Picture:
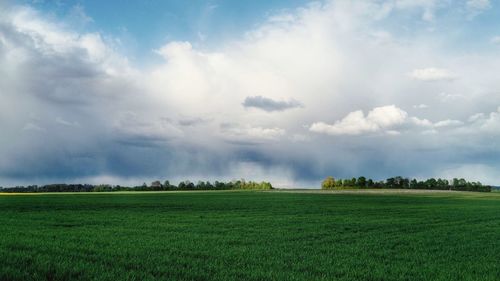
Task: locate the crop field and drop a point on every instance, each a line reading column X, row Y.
column 248, row 235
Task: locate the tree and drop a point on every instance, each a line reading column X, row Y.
column 413, row 183
column 338, row 184
column 182, row 185
column 156, row 185
column 361, row 182
column 462, row 183
column 442, row 184
column 353, row 182
column 189, row 185
column 209, row 186
column 390, row 183
column 328, row 183
column 370, row 183
column 167, row 185
column 431, row 183
column 399, row 182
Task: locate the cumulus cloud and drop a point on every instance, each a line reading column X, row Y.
column 392, row 120
column 270, row 105
column 356, row 123
column 432, row 74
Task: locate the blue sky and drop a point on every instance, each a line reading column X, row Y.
column 285, row 91
column 145, row 25
column 149, row 24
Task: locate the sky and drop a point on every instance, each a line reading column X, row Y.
column 125, row 92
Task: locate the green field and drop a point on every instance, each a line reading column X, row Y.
column 250, row 236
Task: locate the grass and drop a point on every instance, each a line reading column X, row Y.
column 250, row 236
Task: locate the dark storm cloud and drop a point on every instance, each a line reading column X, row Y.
column 270, row 105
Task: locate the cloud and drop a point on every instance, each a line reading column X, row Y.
column 355, row 123
column 478, row 5
column 489, row 123
column 445, row 97
column 432, row 74
column 270, row 105
column 193, row 121
column 132, row 128
column 78, row 17
column 64, row 122
column 249, row 134
column 428, row 7
column 390, row 120
column 421, row 122
column 421, row 106
column 448, row 123
column 102, row 117
column 33, row 127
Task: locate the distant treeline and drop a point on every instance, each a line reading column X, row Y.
column 405, row 183
column 154, row 186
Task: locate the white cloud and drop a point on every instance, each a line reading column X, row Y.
column 355, row 123
column 446, row 97
column 421, row 122
column 264, row 133
column 448, row 123
column 51, row 39
column 432, row 74
column 249, row 134
column 421, row 106
column 489, row 123
column 476, row 117
column 385, row 119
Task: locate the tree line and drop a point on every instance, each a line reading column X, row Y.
column 405, row 183
column 154, row 186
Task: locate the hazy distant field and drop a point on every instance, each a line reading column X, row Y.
column 385, row 235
